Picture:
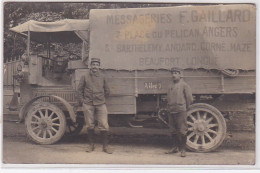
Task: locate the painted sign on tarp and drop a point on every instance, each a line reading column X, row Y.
column 209, row 37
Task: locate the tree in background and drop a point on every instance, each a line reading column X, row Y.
column 16, row 13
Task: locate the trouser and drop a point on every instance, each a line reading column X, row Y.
column 98, row 113
column 178, row 128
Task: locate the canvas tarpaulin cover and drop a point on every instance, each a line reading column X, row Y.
column 209, row 37
column 67, row 31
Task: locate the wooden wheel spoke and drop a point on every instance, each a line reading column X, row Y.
column 190, row 129
column 204, row 116
column 190, row 135
column 35, row 122
column 42, row 116
column 49, row 132
column 209, row 120
column 212, row 131
column 198, row 115
column 203, row 140
column 54, row 129
column 193, row 119
column 39, row 132
column 55, row 124
column 51, row 115
column 209, row 137
column 54, row 119
column 37, row 127
column 44, row 134
column 196, row 139
column 46, row 113
column 212, row 125
column 190, row 123
column 36, row 117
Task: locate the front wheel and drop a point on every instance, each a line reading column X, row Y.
column 206, row 128
column 45, row 123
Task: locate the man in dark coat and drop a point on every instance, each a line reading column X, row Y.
column 92, row 90
column 179, row 98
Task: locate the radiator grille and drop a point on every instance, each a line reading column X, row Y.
column 68, row 95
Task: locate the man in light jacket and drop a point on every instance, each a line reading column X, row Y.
column 92, row 90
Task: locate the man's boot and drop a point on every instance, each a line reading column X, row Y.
column 174, row 148
column 183, row 145
column 91, row 145
column 106, row 148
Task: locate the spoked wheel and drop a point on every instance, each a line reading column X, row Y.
column 206, row 128
column 45, row 123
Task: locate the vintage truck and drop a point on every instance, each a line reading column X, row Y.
column 214, row 44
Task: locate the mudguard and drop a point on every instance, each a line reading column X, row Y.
column 25, row 108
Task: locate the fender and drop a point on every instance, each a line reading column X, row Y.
column 24, row 109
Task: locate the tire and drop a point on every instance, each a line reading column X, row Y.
column 45, row 123
column 206, row 128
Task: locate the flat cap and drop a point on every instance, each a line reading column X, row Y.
column 95, row 60
column 176, row 69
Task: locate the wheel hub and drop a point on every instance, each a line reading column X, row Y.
column 45, row 124
column 200, row 127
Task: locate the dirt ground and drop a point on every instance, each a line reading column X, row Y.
column 129, row 149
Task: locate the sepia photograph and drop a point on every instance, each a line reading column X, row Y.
column 129, row 83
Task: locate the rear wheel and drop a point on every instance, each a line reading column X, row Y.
column 45, row 123
column 206, row 128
